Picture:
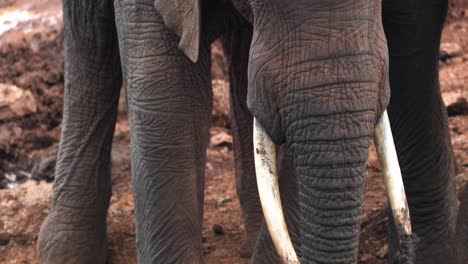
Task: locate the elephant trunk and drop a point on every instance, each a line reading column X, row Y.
column 330, row 163
column 265, row 161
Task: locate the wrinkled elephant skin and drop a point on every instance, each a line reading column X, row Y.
column 316, row 74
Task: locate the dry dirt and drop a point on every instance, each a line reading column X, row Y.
column 31, row 58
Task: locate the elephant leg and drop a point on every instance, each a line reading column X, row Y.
column 169, row 105
column 462, row 228
column 420, row 124
column 236, row 46
column 75, row 229
column 265, row 251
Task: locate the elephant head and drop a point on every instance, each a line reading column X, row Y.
column 318, row 82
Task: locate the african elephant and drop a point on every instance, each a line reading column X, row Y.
column 315, row 74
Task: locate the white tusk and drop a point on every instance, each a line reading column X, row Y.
column 267, row 181
column 391, row 169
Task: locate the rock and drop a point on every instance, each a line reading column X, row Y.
column 449, row 50
column 382, row 253
column 221, row 111
column 8, row 132
column 218, row 230
column 220, row 138
column 223, row 200
column 459, row 107
column 15, row 102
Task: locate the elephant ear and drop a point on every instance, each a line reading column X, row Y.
column 184, row 18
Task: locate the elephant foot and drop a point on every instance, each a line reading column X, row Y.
column 75, row 242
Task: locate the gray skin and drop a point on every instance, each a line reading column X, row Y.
column 315, row 74
column 462, row 228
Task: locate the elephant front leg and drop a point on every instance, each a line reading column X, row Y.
column 420, row 124
column 169, row 105
column 75, row 229
column 236, row 46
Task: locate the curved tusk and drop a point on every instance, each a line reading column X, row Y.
column 389, row 161
column 267, row 181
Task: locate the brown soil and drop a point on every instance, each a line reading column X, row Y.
column 31, row 58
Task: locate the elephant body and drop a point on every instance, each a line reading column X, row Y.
column 316, row 74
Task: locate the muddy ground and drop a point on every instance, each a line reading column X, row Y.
column 31, row 58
